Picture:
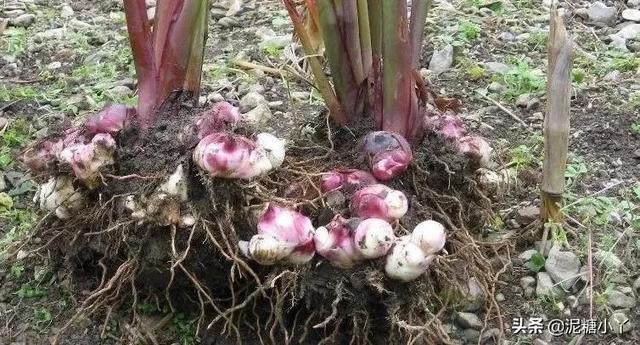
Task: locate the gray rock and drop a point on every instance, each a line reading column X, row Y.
column 529, row 214
column 496, row 67
column 527, row 255
column 469, row 320
column 629, row 32
column 441, row 60
column 618, row 42
column 54, row 65
column 218, row 13
column 23, row 20
column 258, row 115
column 506, row 36
column 523, row 100
column 215, row 97
column 620, row 323
column 496, row 87
column 79, row 24
column 475, row 297
column 609, row 259
column 252, row 100
column 490, row 334
column 527, row 281
column 119, row 92
column 618, row 299
column 545, row 286
column 500, row 297
column 471, row 335
column 600, row 13
column 631, row 14
column 614, row 75
column 57, row 34
column 563, row 267
column 300, row 95
column 228, row 22
column 66, row 11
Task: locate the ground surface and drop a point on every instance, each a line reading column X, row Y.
column 65, row 64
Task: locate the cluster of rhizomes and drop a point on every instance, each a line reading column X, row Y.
column 89, row 149
column 287, row 236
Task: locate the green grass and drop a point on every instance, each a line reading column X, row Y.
column 468, row 31
column 183, row 330
column 623, row 63
column 14, row 41
column 521, row 79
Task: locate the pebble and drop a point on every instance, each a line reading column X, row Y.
column 620, row 323
column 527, row 281
column 563, row 267
column 527, row 255
column 54, row 65
column 500, row 297
column 57, row 33
column 527, row 215
column 618, row 299
column 3, row 183
column 218, row 13
column 506, row 36
column 258, row 115
column 471, row 335
column 228, row 22
column 215, row 97
column 23, row 20
column 629, row 32
column 631, row 14
column 67, row 11
column 496, row 67
column 251, row 100
column 119, row 92
column 469, row 320
column 475, row 296
column 601, row 13
column 441, row 60
column 545, row 286
column 496, row 87
column 523, row 100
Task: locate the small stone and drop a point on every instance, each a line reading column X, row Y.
column 54, row 65
column 215, row 97
column 631, row 14
column 629, row 32
column 469, row 320
column 3, row 183
column 527, row 215
column 528, row 292
column 228, row 22
column 527, row 281
column 614, row 75
column 21, row 254
column 66, row 12
column 58, row 33
column 496, row 87
column 496, row 67
column 545, row 286
column 23, row 20
column 490, row 334
column 563, row 267
column 471, row 335
column 119, row 92
column 258, row 115
column 506, row 36
column 617, row 299
column 609, row 259
column 620, row 323
column 523, row 100
column 441, row 60
column 527, row 255
column 218, row 13
column 600, row 13
column 252, row 100
column 300, row 95
column 475, row 296
column 500, row 297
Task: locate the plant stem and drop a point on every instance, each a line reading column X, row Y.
column 365, row 36
column 556, row 124
column 419, row 11
column 322, row 82
column 143, row 58
column 375, row 79
column 200, row 28
column 400, row 101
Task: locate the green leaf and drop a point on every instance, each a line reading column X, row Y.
column 536, row 263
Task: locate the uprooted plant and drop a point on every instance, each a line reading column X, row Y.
column 176, row 201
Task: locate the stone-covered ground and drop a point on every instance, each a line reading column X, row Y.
column 63, row 61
